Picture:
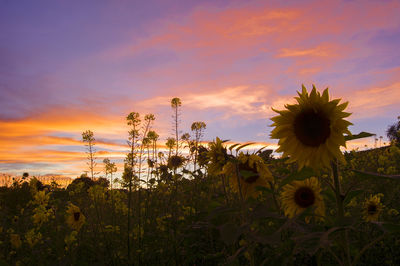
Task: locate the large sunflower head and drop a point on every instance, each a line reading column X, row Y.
column 75, row 218
column 252, row 172
column 372, row 208
column 300, row 195
column 310, row 132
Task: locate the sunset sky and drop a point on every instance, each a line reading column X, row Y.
column 70, row 66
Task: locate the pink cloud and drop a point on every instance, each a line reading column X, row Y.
column 318, row 51
column 372, row 102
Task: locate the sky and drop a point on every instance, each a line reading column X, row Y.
column 71, row 66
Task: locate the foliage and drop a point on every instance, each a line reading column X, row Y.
column 209, row 207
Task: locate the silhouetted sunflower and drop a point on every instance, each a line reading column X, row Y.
column 175, row 161
column 299, row 195
column 311, row 131
column 253, row 173
column 202, row 155
column 217, row 157
column 75, row 219
column 372, row 208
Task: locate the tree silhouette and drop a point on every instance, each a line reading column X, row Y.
column 393, row 132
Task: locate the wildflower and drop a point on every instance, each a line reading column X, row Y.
column 75, row 218
column 372, row 208
column 253, row 173
column 311, row 131
column 299, row 195
column 41, row 198
column 15, row 241
column 41, row 215
column 70, row 240
column 392, row 212
column 32, row 238
column 97, row 193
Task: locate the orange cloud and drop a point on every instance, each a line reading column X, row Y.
column 317, row 51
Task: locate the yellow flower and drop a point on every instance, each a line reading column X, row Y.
column 392, row 212
column 75, row 218
column 253, row 173
column 15, row 241
column 311, row 131
column 41, row 215
column 33, row 238
column 372, row 208
column 299, row 195
column 41, row 198
column 70, row 240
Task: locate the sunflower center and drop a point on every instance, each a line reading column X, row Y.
column 372, row 209
column 76, row 216
column 312, row 127
column 251, row 173
column 304, row 197
column 175, row 161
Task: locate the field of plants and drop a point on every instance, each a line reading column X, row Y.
column 218, row 204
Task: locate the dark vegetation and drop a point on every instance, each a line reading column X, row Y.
column 175, row 209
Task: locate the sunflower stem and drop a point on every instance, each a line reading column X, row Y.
column 238, row 181
column 224, row 186
column 340, row 215
column 339, row 200
column 242, row 210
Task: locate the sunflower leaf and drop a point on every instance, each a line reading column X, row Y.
column 233, row 146
column 375, row 175
column 244, row 145
column 309, row 211
column 259, row 150
column 392, row 228
column 358, row 136
column 304, row 173
column 349, row 196
column 261, row 188
column 328, row 193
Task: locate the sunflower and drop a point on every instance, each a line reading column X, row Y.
column 75, row 218
column 372, row 208
column 175, row 161
column 311, row 131
column 217, row 157
column 299, row 195
column 253, row 173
